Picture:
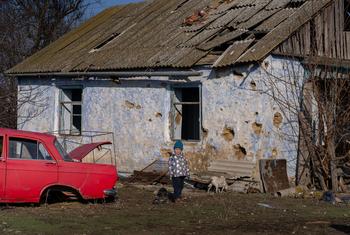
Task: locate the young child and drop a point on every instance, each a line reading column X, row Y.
column 178, row 170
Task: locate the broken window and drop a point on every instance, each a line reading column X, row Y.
column 346, row 15
column 186, row 109
column 70, row 111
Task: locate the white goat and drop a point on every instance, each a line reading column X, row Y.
column 218, row 182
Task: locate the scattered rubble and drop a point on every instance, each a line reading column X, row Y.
column 298, row 191
column 273, row 175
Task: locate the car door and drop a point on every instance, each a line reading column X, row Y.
column 30, row 168
column 2, row 167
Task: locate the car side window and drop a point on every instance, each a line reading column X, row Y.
column 21, row 148
column 1, row 145
column 43, row 154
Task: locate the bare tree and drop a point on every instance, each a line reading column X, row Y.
column 314, row 100
column 26, row 27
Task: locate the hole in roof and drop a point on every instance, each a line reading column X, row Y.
column 295, row 4
column 105, row 42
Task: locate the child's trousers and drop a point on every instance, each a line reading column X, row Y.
column 178, row 185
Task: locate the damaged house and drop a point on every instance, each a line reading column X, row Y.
column 217, row 74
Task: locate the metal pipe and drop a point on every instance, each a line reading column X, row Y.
column 110, row 74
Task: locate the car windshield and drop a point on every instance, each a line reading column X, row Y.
column 62, row 152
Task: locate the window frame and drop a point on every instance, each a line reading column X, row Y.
column 3, row 150
column 38, row 142
column 61, row 104
column 173, row 110
column 346, row 8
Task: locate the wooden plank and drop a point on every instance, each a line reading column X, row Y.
column 274, row 175
column 283, row 31
column 331, row 33
column 327, row 42
column 337, row 28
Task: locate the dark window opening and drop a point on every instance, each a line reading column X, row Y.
column 186, row 113
column 70, row 111
column 346, row 15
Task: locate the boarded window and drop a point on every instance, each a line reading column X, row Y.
column 346, row 15
column 186, row 110
column 70, row 111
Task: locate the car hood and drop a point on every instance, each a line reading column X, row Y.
column 82, row 151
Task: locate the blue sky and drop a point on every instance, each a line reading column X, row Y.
column 96, row 8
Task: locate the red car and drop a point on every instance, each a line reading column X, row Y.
column 34, row 167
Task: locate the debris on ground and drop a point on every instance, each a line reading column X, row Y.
column 242, row 185
column 265, row 205
column 329, row 197
column 297, row 192
column 154, row 173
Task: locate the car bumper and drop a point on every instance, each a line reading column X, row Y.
column 110, row 192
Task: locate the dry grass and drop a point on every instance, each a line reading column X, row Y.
column 134, row 213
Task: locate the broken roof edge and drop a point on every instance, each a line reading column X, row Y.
column 164, row 73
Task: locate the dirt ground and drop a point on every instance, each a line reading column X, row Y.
column 134, row 213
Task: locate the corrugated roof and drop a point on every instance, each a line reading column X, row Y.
column 281, row 32
column 174, row 33
column 233, row 52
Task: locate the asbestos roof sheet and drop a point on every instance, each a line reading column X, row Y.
column 275, row 4
column 282, row 31
column 256, row 19
column 224, row 7
column 201, row 37
column 233, row 53
column 174, row 33
column 217, row 41
column 229, row 16
column 275, row 20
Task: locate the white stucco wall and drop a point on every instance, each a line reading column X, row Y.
column 137, row 112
